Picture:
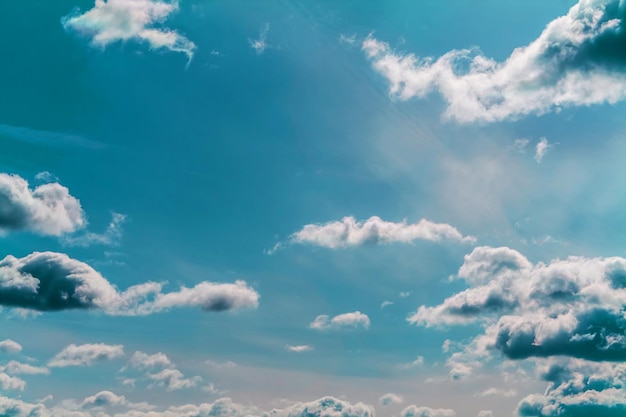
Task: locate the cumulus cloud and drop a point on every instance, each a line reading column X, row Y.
column 572, row 307
column 11, row 383
column 50, row 281
column 48, row 209
column 342, row 321
column 350, row 232
column 86, row 355
column 125, row 20
column 299, row 348
column 578, row 388
column 173, row 380
column 10, row 346
column 327, row 407
column 577, row 60
column 390, row 398
column 142, row 361
column 415, row 411
column 18, row 368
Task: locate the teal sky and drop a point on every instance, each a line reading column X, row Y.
column 350, row 208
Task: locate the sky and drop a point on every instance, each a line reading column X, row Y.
column 312, row 208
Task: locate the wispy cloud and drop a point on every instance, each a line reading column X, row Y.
column 48, row 138
column 260, row 44
column 124, row 20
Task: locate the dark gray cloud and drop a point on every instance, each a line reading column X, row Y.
column 50, row 281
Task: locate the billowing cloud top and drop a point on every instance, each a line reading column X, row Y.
column 49, row 209
column 349, row 232
column 577, row 60
column 49, row 281
column 572, row 307
column 123, row 20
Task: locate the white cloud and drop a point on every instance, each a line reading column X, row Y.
column 142, row 361
column 499, row 392
column 111, row 236
column 48, row 209
column 417, row 363
column 572, row 307
column 49, row 281
column 541, row 149
column 260, row 44
column 575, row 61
column 173, row 380
column 349, row 232
column 342, row 321
column 390, row 398
column 386, row 303
column 11, row 383
column 46, row 176
column 415, row 411
column 299, row 348
column 86, row 355
column 124, row 20
column 18, row 368
column 103, row 399
column 10, row 346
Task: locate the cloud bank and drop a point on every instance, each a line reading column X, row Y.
column 113, row 21
column 578, row 60
column 50, row 281
column 350, row 232
column 48, row 209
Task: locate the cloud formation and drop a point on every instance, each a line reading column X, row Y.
column 50, row 281
column 572, row 307
column 350, row 232
column 390, row 398
column 111, row 236
column 578, row 60
column 11, row 383
column 86, row 355
column 18, row 368
column 415, row 411
column 10, row 346
column 299, row 348
column 113, row 21
column 342, row 321
column 578, row 388
column 48, row 209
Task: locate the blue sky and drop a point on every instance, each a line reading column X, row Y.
column 288, row 207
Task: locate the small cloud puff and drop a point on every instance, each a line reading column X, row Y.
column 10, row 346
column 577, row 60
column 123, row 20
column 50, row 281
column 299, row 348
column 390, row 398
column 342, row 321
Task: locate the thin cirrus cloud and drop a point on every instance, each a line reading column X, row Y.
column 571, row 307
column 125, row 20
column 349, row 232
column 48, row 209
column 342, row 321
column 50, row 281
column 86, row 355
column 577, row 60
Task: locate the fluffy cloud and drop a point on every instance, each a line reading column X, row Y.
column 48, row 209
column 18, row 368
column 11, row 383
column 143, row 361
column 123, row 20
column 173, row 380
column 342, row 321
column 415, row 411
column 327, row 407
column 349, row 232
column 48, row 281
column 86, row 355
column 578, row 388
column 541, row 149
column 571, row 307
column 10, row 346
column 390, row 398
column 578, row 60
